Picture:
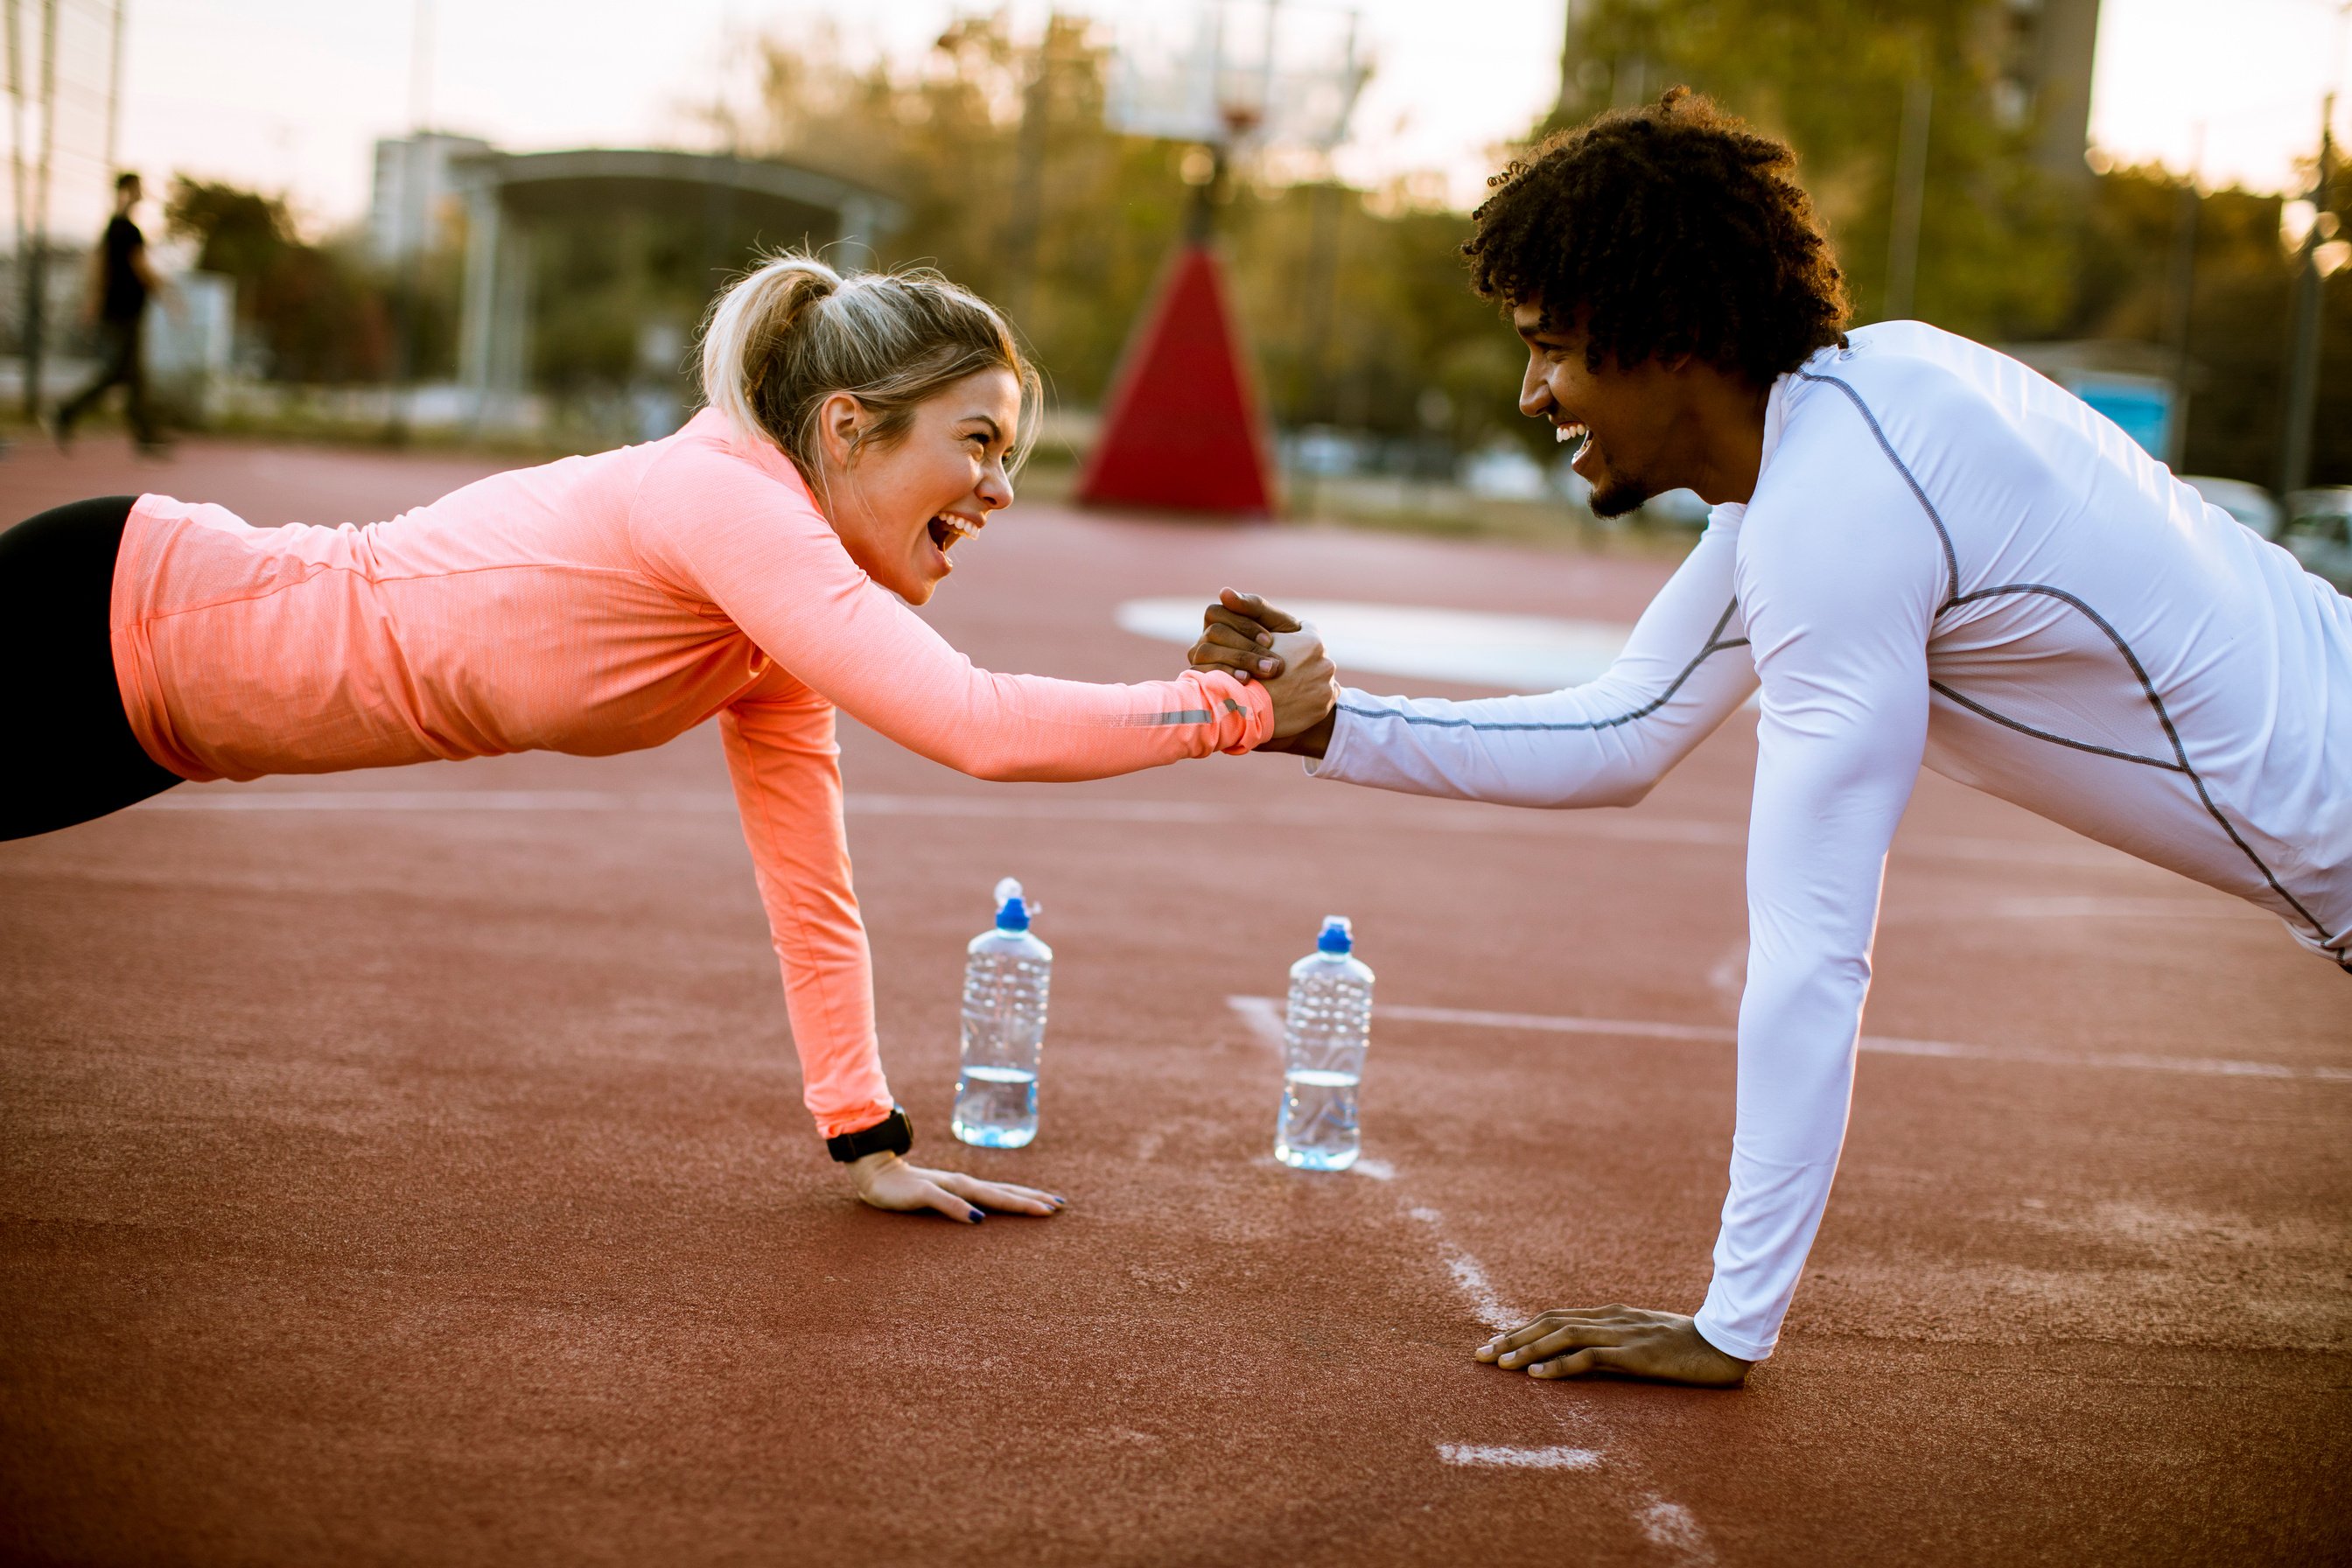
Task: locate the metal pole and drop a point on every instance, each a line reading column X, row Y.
column 37, row 285
column 23, row 252
column 1571, row 47
column 114, row 90
column 2303, row 353
column 2183, row 301
column 420, row 69
column 416, row 221
column 1322, row 283
column 1910, row 199
column 1029, row 179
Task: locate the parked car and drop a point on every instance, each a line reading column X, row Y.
column 2319, row 532
column 2250, row 504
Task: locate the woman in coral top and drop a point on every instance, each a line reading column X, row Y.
column 750, row 567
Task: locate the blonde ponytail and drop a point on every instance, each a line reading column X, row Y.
column 793, row 332
column 748, row 320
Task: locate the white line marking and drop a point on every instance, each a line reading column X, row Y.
column 1499, row 1457
column 1723, row 1034
column 1063, row 807
column 1883, row 1045
column 1517, row 653
column 1471, row 1275
column 432, row 800
column 1264, row 1016
column 1667, row 1525
column 1671, row 1526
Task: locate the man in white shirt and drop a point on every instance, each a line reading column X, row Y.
column 1922, row 552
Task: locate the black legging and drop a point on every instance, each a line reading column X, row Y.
column 73, row 754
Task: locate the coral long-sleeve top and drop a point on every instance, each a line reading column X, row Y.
column 601, row 604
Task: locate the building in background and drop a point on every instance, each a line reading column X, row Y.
column 2046, row 80
column 415, row 200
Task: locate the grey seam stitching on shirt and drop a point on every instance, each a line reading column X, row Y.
column 1943, row 535
column 1956, row 598
column 1979, row 708
column 2163, row 718
column 1714, row 645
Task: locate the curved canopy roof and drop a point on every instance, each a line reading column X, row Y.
column 593, row 179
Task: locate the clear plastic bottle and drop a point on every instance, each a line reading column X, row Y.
column 1006, row 972
column 1327, row 1026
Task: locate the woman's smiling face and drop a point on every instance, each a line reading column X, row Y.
column 900, row 507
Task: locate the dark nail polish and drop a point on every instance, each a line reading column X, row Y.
column 977, row 1216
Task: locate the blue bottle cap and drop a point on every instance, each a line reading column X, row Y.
column 1337, row 937
column 1012, row 910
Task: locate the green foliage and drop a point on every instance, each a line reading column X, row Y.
column 315, row 312
column 1353, row 303
column 2240, row 314
column 2007, row 252
column 1829, row 77
column 239, row 232
column 617, row 294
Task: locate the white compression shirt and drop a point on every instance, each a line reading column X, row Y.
column 1947, row 559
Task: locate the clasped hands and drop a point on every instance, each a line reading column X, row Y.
column 1249, row 638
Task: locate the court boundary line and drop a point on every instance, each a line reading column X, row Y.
column 1501, row 822
column 1665, row 1524
column 1883, row 1045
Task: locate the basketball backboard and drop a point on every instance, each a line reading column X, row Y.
column 1261, row 74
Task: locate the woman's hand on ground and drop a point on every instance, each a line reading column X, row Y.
column 1569, row 1342
column 886, row 1182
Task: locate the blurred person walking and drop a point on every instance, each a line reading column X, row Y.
column 122, row 281
column 1920, row 552
column 759, row 567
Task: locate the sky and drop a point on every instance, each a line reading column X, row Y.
column 289, row 95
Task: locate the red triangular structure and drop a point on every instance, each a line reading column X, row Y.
column 1180, row 431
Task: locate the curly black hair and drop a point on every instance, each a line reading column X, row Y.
column 1671, row 229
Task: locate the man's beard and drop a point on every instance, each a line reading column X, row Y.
column 1618, row 497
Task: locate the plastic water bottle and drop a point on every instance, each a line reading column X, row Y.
column 1006, row 971
column 1324, row 1035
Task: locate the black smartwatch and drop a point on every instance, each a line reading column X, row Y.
column 894, row 1133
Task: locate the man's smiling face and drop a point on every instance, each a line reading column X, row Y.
column 1621, row 420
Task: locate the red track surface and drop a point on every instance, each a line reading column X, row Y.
column 431, row 1186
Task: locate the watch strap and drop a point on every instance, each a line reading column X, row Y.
column 894, row 1133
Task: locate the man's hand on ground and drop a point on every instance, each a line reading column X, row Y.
column 1569, row 1342
column 886, row 1182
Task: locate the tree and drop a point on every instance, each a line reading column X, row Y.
column 316, row 313
column 1080, row 244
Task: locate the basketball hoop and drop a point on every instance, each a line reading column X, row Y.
column 1180, row 427
column 1241, row 75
